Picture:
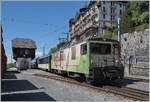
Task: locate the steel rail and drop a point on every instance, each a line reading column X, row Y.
column 134, row 94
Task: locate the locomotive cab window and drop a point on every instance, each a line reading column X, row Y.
column 99, row 48
column 83, row 49
column 115, row 49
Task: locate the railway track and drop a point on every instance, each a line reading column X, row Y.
column 134, row 94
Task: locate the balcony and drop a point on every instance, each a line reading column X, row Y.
column 113, row 13
column 113, row 6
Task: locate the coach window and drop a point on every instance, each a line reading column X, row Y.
column 83, row 49
column 73, row 50
column 45, row 60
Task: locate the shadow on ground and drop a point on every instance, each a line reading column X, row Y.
column 37, row 96
column 16, row 85
column 120, row 82
column 14, row 89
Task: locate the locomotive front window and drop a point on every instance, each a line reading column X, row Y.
column 116, row 49
column 99, row 48
column 83, row 49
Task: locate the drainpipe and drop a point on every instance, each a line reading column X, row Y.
column 119, row 29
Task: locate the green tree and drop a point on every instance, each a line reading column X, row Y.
column 135, row 14
column 111, row 32
column 52, row 50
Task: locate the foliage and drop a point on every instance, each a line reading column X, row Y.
column 135, row 14
column 111, row 32
column 60, row 45
column 54, row 49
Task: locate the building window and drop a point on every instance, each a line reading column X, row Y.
column 103, row 2
column 120, row 12
column 103, row 9
column 120, row 5
column 112, row 10
column 125, row 39
column 103, row 23
column 104, row 16
column 112, row 3
column 112, row 17
column 141, row 41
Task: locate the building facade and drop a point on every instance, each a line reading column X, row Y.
column 94, row 19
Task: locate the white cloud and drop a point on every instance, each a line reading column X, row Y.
column 38, row 54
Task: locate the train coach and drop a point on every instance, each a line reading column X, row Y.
column 43, row 62
column 95, row 60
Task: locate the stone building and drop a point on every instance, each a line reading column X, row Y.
column 95, row 17
column 135, row 53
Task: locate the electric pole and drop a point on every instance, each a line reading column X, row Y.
column 43, row 50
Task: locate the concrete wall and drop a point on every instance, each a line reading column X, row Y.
column 135, row 53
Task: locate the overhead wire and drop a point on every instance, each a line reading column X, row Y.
column 33, row 22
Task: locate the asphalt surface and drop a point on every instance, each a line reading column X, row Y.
column 25, row 86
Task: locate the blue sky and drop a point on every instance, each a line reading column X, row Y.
column 42, row 21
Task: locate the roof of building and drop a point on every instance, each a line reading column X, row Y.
column 23, row 43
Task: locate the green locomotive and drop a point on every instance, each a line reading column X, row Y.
column 95, row 60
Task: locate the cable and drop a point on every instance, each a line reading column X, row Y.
column 32, row 22
column 24, row 21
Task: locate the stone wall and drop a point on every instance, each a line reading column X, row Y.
column 135, row 53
